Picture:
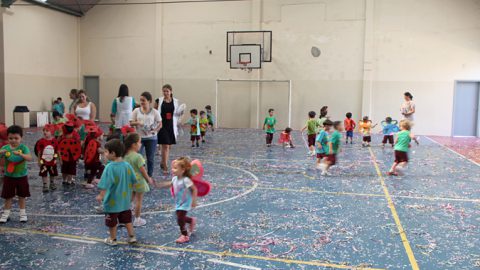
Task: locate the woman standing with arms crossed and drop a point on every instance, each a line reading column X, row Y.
column 147, row 122
column 168, row 106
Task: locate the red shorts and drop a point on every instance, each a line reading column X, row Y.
column 367, row 138
column 69, row 167
column 311, row 139
column 401, row 156
column 13, row 186
column 45, row 170
column 332, row 159
column 388, row 138
column 194, row 138
column 112, row 219
column 321, row 155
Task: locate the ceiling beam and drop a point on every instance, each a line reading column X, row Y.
column 55, row 7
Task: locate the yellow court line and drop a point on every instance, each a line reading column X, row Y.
column 391, row 205
column 198, row 251
column 341, row 193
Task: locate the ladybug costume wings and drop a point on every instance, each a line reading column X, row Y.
column 91, row 152
column 70, row 149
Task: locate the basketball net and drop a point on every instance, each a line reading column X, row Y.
column 245, row 66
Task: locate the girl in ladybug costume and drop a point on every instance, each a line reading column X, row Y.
column 70, row 150
column 93, row 149
column 46, row 149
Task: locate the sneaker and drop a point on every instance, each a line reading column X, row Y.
column 45, row 188
column 96, row 181
column 138, row 222
column 193, row 145
column 99, row 209
column 110, row 242
column 23, row 217
column 5, row 217
column 390, row 173
column 193, row 224
column 89, row 186
column 198, row 145
column 132, row 239
column 203, row 141
column 324, row 173
column 53, row 186
column 182, row 239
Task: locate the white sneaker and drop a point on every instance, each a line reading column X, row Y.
column 89, row 186
column 132, row 239
column 99, row 209
column 23, row 217
column 110, row 242
column 5, row 217
column 139, row 222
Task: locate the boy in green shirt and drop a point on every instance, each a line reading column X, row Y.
column 402, row 144
column 312, row 126
column 15, row 181
column 269, row 126
column 333, row 146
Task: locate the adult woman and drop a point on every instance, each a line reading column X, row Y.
column 74, row 97
column 408, row 107
column 84, row 109
column 168, row 106
column 148, row 122
column 122, row 108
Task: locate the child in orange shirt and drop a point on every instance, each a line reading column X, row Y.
column 365, row 127
column 349, row 125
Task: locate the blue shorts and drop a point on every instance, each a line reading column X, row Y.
column 350, row 134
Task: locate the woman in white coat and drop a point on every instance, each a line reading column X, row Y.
column 169, row 108
column 122, row 108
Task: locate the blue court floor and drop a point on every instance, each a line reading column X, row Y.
column 270, row 209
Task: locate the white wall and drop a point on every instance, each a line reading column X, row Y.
column 40, row 59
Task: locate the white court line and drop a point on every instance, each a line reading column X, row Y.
column 154, row 251
column 254, row 186
column 453, row 151
column 74, row 240
column 233, row 264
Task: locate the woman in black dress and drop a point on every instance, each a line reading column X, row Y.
column 168, row 108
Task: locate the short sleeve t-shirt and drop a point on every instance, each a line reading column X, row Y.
column 203, row 124
column 137, row 161
column 182, row 193
column 322, row 138
column 19, row 164
column 194, row 126
column 270, row 123
column 349, row 124
column 335, row 139
column 312, row 126
column 365, row 127
column 408, row 106
column 403, row 141
column 149, row 122
column 117, row 179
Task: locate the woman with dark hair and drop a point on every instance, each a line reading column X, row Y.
column 122, row 108
column 408, row 107
column 169, row 109
column 323, row 116
column 147, row 122
column 74, row 97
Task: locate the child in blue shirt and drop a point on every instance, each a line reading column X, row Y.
column 59, row 106
column 116, row 187
column 389, row 129
column 321, row 143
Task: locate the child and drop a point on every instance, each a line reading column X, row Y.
column 210, row 117
column 404, row 137
column 286, row 139
column 46, row 150
column 93, row 150
column 58, row 106
column 3, row 141
column 322, row 145
column 204, row 122
column 350, row 125
column 15, row 181
column 194, row 127
column 116, row 185
column 269, row 126
column 58, row 121
column 185, row 195
column 389, row 129
column 133, row 143
column 312, row 127
column 333, row 146
column 70, row 150
column 365, row 127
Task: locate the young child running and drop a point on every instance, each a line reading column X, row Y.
column 203, row 125
column 116, row 185
column 402, row 144
column 350, row 125
column 210, row 117
column 286, row 138
column 185, row 195
column 133, row 144
column 322, row 145
column 46, row 149
column 365, row 127
column 194, row 123
column 333, row 147
column 389, row 129
column 312, row 127
column 15, row 181
column 269, row 126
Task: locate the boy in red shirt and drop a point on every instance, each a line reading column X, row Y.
column 350, row 125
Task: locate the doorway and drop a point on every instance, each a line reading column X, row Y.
column 91, row 84
column 466, row 115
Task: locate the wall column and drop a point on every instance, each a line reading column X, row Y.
column 368, row 60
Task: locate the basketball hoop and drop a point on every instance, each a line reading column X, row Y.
column 245, row 66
